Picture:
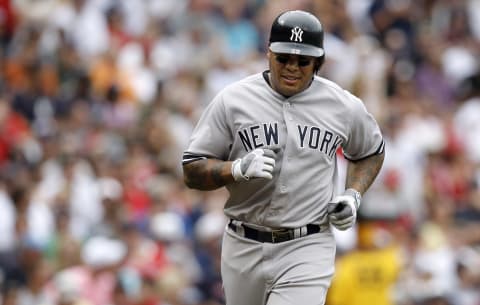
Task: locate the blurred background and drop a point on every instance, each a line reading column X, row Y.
column 98, row 99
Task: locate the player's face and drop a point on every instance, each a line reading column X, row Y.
column 290, row 74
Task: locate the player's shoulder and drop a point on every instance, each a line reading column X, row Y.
column 335, row 90
column 245, row 83
column 327, row 83
column 235, row 90
column 229, row 95
column 331, row 86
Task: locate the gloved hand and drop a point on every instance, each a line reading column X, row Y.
column 258, row 163
column 342, row 210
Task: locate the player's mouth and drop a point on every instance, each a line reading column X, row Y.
column 290, row 80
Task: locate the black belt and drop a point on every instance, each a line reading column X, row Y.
column 277, row 235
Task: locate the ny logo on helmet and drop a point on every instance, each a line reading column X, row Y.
column 296, row 34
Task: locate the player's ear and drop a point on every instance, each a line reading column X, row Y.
column 318, row 64
column 269, row 54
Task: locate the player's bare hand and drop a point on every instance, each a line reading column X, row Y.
column 258, row 163
column 342, row 210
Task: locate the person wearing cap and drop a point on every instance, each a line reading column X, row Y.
column 272, row 139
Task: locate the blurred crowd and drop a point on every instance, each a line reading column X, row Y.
column 98, row 99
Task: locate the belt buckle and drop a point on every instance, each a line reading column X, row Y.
column 281, row 235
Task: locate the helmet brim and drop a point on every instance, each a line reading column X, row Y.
column 296, row 48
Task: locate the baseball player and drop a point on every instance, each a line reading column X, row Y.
column 271, row 139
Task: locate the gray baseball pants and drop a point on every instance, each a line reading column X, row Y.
column 298, row 271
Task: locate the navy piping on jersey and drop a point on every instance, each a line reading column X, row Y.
column 265, row 77
column 189, row 158
column 379, row 151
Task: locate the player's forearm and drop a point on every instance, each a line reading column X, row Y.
column 208, row 174
column 361, row 174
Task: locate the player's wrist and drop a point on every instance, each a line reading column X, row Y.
column 356, row 195
column 237, row 171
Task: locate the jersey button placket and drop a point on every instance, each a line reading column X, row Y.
column 288, row 113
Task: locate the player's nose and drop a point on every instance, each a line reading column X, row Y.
column 292, row 64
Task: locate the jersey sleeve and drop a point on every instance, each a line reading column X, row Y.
column 211, row 137
column 364, row 138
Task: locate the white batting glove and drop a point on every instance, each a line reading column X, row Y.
column 342, row 210
column 258, row 163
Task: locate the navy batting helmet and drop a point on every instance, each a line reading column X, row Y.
column 297, row 32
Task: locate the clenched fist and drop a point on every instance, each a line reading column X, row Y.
column 258, row 163
column 342, row 210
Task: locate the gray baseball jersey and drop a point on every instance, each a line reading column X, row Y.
column 304, row 130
